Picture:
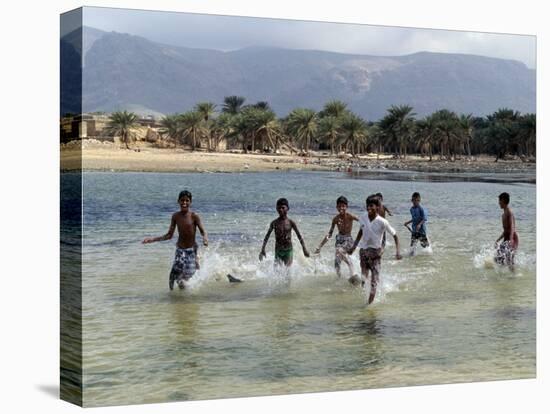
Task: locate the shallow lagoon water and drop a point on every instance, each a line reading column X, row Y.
column 449, row 316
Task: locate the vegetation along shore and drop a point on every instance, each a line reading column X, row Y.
column 240, row 137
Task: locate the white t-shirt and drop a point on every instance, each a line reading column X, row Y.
column 373, row 231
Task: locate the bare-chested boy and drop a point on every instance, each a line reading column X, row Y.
column 344, row 240
column 283, row 227
column 506, row 249
column 187, row 222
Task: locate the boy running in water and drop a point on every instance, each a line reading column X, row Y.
column 283, row 227
column 418, row 220
column 506, row 249
column 187, row 222
column 344, row 241
column 369, row 239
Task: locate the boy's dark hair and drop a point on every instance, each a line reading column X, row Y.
column 282, row 202
column 504, row 197
column 416, row 195
column 185, row 193
column 342, row 200
column 373, row 199
column 380, row 196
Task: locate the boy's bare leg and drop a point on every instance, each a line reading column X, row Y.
column 511, row 262
column 412, row 250
column 288, row 261
column 337, row 262
column 373, row 286
column 181, row 283
column 364, row 273
column 197, row 264
column 347, row 260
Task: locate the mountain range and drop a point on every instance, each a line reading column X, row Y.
column 123, row 71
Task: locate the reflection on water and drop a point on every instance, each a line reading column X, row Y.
column 439, row 318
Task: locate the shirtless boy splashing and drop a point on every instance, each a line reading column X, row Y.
column 185, row 261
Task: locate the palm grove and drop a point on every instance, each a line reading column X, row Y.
column 443, row 134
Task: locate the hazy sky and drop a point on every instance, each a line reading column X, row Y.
column 229, row 33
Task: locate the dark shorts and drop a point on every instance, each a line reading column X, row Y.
column 184, row 265
column 343, row 244
column 284, row 255
column 417, row 236
column 505, row 254
column 370, row 261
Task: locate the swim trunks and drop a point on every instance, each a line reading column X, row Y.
column 283, row 255
column 343, row 242
column 184, row 266
column 416, row 236
column 505, row 254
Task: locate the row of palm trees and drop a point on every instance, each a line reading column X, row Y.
column 336, row 128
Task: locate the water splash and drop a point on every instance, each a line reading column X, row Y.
column 485, row 259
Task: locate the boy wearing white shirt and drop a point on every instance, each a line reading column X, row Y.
column 369, row 238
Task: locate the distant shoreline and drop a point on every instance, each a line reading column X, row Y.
column 103, row 157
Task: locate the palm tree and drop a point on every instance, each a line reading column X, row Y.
column 503, row 130
column 334, row 108
column 171, row 127
column 221, row 128
column 240, row 129
column 268, row 128
column 329, row 131
column 426, row 133
column 398, row 124
column 262, row 105
column 466, row 123
column 192, row 125
column 207, row 110
column 252, row 118
column 302, row 125
column 377, row 138
column 123, row 124
column 528, row 133
column 232, row 104
column 354, row 133
column 448, row 132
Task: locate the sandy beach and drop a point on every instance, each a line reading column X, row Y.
column 98, row 156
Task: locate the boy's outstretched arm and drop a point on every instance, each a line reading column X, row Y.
column 266, row 238
column 388, row 211
column 295, row 228
column 167, row 236
column 201, row 230
column 356, row 242
column 328, row 236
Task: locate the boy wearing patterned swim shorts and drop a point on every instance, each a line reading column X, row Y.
column 369, row 238
column 344, row 240
column 185, row 260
